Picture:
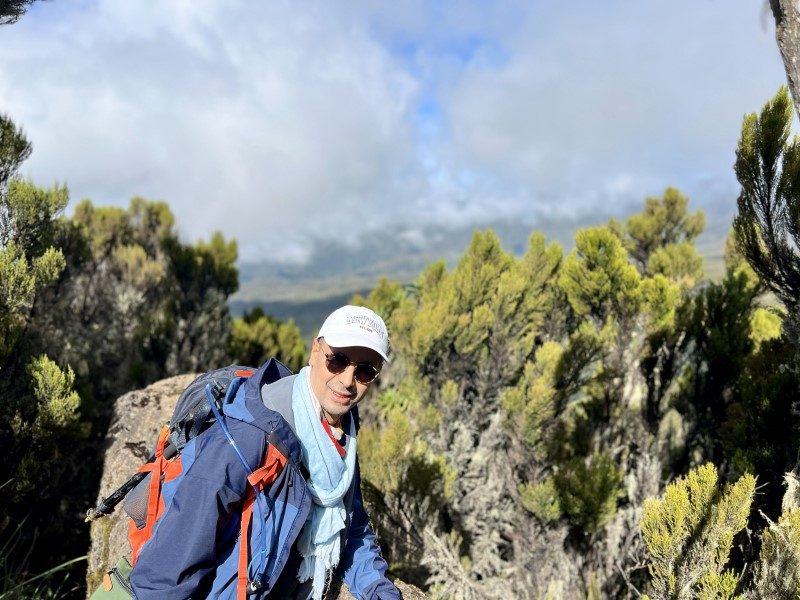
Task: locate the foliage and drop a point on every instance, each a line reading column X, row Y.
column 759, row 432
column 398, row 461
column 589, row 490
column 777, row 572
column 678, row 262
column 767, row 230
column 659, row 239
column 689, row 534
column 736, row 263
column 136, row 301
column 459, row 338
column 405, row 484
column 597, row 278
column 478, row 323
column 203, row 276
column 52, row 388
column 767, row 226
column 451, row 578
column 719, row 323
column 256, row 337
column 599, row 384
column 531, row 404
column 12, row 10
column 530, row 368
column 14, row 150
column 765, row 325
column 541, row 499
column 17, row 583
column 20, row 279
column 41, row 415
column 29, row 213
column 42, row 425
column 383, row 299
column 28, row 260
column 91, row 306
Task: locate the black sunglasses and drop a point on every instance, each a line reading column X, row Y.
column 337, row 362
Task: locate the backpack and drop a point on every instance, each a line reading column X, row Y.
column 198, row 408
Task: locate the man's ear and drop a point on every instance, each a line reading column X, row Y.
column 314, row 348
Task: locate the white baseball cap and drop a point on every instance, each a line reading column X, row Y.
column 356, row 326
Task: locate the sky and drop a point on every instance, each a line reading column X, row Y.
column 295, row 126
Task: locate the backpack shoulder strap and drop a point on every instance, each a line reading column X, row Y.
column 277, row 396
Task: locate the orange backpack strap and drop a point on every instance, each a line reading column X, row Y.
column 155, row 504
column 268, row 472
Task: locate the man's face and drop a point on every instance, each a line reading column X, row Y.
column 337, row 393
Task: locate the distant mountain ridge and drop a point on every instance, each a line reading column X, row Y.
column 307, row 314
column 308, row 292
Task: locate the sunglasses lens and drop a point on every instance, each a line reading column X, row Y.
column 365, row 373
column 337, row 362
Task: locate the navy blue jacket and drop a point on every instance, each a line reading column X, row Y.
column 194, row 549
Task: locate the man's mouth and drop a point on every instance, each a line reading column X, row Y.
column 343, row 398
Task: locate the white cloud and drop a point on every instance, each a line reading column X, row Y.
column 654, row 91
column 284, row 124
column 269, row 122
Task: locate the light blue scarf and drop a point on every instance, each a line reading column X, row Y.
column 329, row 480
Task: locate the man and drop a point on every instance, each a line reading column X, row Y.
column 286, row 527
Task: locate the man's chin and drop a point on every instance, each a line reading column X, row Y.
column 337, row 409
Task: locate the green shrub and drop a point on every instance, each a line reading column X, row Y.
column 541, row 499
column 689, row 535
column 588, row 490
column 777, row 572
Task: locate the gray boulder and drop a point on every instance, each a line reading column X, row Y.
column 138, row 417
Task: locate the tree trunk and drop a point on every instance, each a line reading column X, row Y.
column 787, row 34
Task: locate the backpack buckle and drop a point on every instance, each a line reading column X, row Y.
column 254, row 586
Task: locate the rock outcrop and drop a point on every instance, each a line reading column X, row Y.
column 138, row 417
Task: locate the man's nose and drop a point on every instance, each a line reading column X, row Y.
column 348, row 377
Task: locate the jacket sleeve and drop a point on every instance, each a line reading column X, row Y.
column 179, row 559
column 362, row 567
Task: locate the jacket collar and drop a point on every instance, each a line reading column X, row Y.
column 248, row 406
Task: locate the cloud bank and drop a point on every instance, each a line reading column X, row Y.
column 297, row 126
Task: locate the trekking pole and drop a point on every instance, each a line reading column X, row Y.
column 107, row 505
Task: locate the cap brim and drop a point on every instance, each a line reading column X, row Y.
column 350, row 340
